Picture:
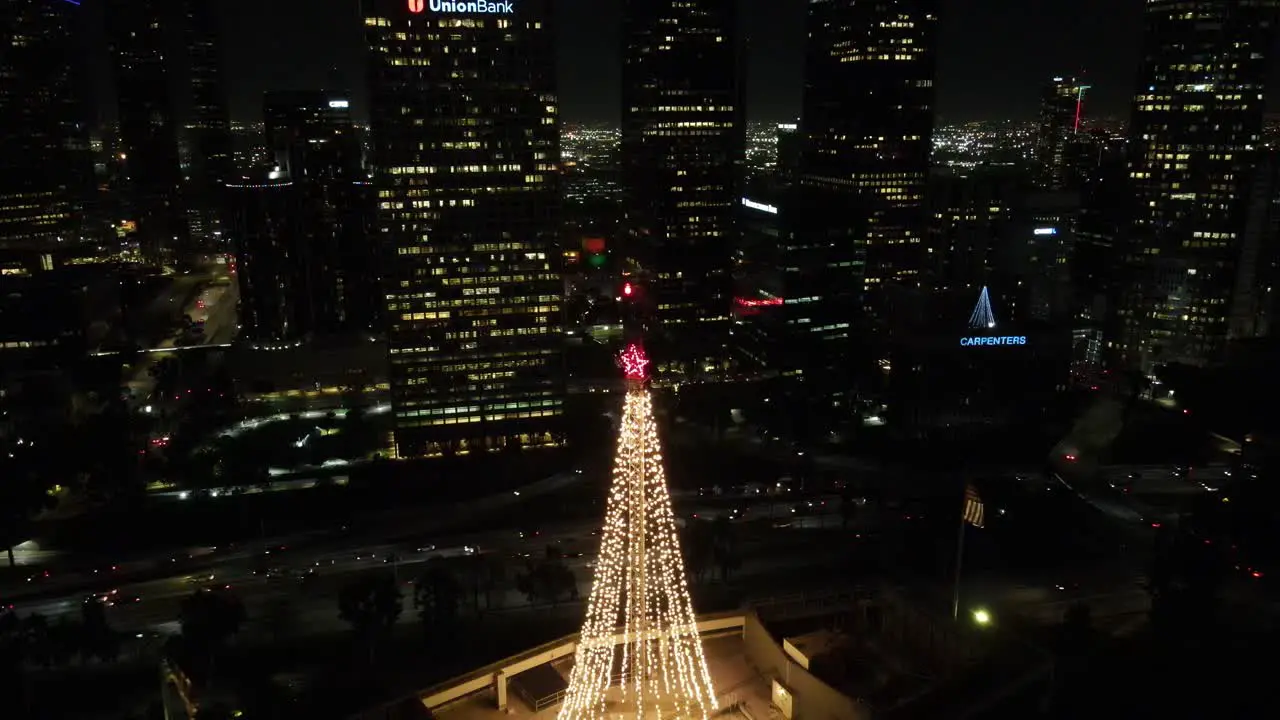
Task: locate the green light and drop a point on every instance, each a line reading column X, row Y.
column 597, row 260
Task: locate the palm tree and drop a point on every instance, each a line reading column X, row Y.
column 96, row 636
column 27, row 470
column 724, row 547
column 436, row 596
column 209, row 618
column 699, row 549
column 371, row 605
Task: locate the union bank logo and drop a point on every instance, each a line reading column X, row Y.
column 504, row 7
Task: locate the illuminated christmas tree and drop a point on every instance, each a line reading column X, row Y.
column 640, row 634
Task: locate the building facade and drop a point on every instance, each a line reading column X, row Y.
column 208, row 127
column 262, row 217
column 314, row 142
column 45, row 167
column 1058, row 144
column 868, row 122
column 465, row 146
column 140, row 35
column 857, row 221
column 683, row 144
column 1194, row 151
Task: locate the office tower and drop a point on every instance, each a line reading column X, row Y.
column 465, row 146
column 683, row 144
column 790, row 151
column 310, row 132
column 1061, row 112
column 208, row 125
column 262, row 217
column 141, row 35
column 972, row 215
column 314, row 142
column 1194, row 149
column 857, row 221
column 868, row 122
column 44, row 164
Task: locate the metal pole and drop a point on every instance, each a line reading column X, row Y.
column 955, row 594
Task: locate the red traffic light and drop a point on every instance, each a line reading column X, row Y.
column 627, row 290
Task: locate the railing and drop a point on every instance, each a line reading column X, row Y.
column 462, row 686
column 501, row 672
column 539, row 704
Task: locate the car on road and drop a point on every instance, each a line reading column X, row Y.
column 112, row 598
column 1124, row 484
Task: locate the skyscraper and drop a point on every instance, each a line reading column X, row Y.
column 683, row 138
column 1061, row 113
column 314, row 142
column 857, row 220
column 868, row 122
column 1194, row 144
column 465, row 146
column 310, row 133
column 208, row 126
column 262, row 222
column 141, row 35
column 44, row 164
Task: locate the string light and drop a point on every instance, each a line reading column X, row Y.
column 634, row 363
column 639, row 598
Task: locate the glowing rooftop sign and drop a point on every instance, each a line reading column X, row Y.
column 982, row 317
column 749, row 203
column 1045, row 231
column 339, row 103
column 501, row 7
column 985, row 341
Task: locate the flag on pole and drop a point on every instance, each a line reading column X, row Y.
column 972, row 506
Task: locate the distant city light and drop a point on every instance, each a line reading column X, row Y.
column 787, row 126
column 1045, row 231
column 339, row 103
column 747, row 202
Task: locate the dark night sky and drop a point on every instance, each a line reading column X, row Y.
column 994, row 55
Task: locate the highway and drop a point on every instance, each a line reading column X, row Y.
column 264, row 580
column 51, row 580
column 243, row 569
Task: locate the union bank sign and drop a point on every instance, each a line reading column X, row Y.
column 504, row 7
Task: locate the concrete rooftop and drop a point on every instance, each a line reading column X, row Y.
column 734, row 681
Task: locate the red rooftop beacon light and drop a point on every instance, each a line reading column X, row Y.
column 417, row 6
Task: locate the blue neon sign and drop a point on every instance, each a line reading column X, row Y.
column 1000, row 340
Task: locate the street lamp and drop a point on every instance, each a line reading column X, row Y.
column 981, row 617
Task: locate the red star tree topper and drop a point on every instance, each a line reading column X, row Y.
column 634, row 364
